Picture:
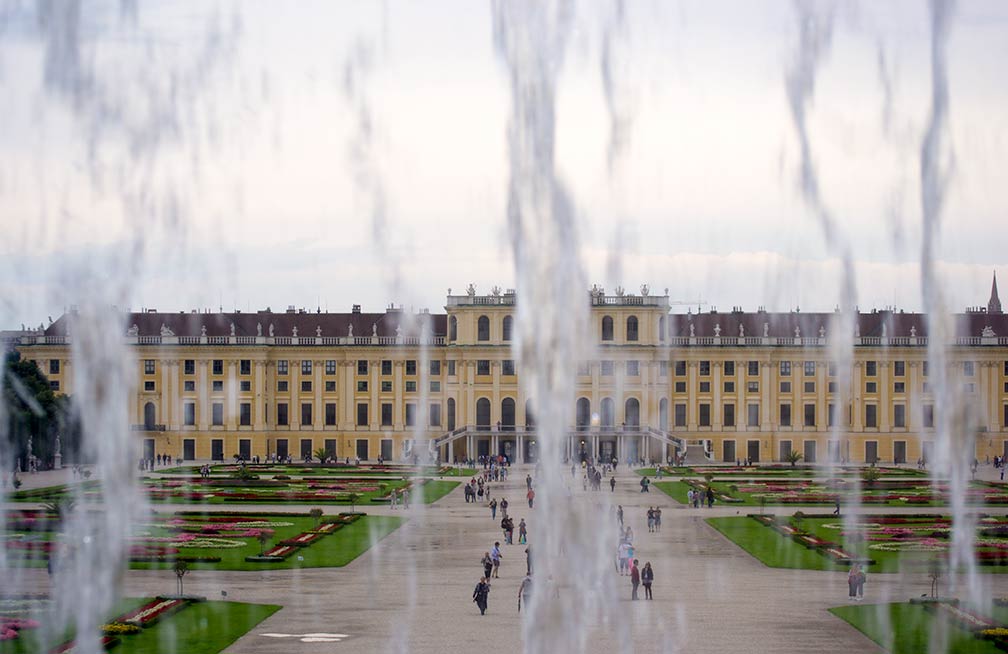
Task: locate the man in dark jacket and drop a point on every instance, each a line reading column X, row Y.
column 634, row 578
column 481, row 593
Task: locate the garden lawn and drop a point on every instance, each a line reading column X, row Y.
column 200, row 628
column 906, row 629
column 333, row 550
column 434, row 490
column 674, row 489
column 770, row 547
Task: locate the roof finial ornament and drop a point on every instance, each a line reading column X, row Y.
column 766, row 330
column 258, row 329
column 318, row 331
column 741, row 330
column 471, row 290
column 271, row 330
column 620, row 291
column 644, row 288
column 692, row 331
column 232, row 329
column 349, row 331
column 994, row 304
column 295, row 331
column 202, row 331
column 822, row 332
column 132, row 331
column 165, row 331
column 797, row 331
column 374, row 329
column 988, row 332
column 717, row 330
column 857, row 330
column 913, row 331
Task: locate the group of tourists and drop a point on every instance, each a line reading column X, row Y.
column 697, row 497
column 654, row 519
column 399, row 497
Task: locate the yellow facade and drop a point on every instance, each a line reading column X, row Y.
column 678, row 380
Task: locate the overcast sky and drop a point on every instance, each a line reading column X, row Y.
column 210, row 153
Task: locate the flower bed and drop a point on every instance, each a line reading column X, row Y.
column 107, row 642
column 827, row 548
column 10, row 628
column 964, row 617
column 152, row 611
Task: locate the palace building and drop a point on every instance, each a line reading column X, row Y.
column 723, row 386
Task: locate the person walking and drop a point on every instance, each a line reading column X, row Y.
column 481, row 594
column 650, row 519
column 522, row 532
column 860, row 583
column 493, row 509
column 487, row 564
column 524, row 591
column 612, row 484
column 504, row 506
column 531, row 497
column 619, row 514
column 647, row 578
column 852, row 581
column 495, row 558
column 657, row 518
column 634, row 578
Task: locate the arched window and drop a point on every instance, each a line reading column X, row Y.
column 483, row 329
column 608, row 417
column 529, row 416
column 583, row 414
column 452, row 328
column 506, row 328
column 632, row 414
column 663, row 414
column 451, row 414
column 507, row 414
column 631, row 328
column 607, row 330
column 482, row 412
column 150, row 415
column 661, row 328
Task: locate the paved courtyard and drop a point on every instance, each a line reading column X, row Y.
column 412, row 591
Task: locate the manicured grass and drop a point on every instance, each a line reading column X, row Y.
column 200, row 628
column 459, row 472
column 674, row 489
column 434, row 490
column 906, row 629
column 801, row 472
column 769, row 547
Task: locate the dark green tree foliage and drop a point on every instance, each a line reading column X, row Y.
column 33, row 410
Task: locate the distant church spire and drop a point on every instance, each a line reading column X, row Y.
column 994, row 304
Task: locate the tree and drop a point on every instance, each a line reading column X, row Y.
column 181, row 568
column 320, row 454
column 34, row 410
column 793, row 457
column 870, row 475
column 353, row 497
column 316, row 514
column 263, row 538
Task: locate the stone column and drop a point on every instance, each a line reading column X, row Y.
column 717, row 408
column 520, row 454
column 885, row 399
column 260, row 397
column 374, row 384
column 203, row 406
column 349, row 390
column 399, row 388
column 692, row 390
column 764, row 396
column 318, row 385
column 231, row 387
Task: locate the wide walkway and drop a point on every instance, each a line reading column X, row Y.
column 412, row 591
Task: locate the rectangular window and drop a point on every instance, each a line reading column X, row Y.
column 189, row 367
column 435, row 368
column 785, row 387
column 434, row 417
column 680, row 415
column 705, row 387
column 282, row 367
column 306, row 386
column 633, row 368
column 928, row 416
column 330, row 367
column 362, row 386
column 410, row 414
column 306, row 367
column 729, row 415
column 361, row 366
column 507, row 367
column 752, row 387
column 245, row 386
column 386, row 367
column 899, row 387
column 330, row 387
column 925, row 368
column 149, row 386
column 729, row 368
column 753, row 415
column 899, row 368
column 810, row 368
column 969, row 368
column 282, row 413
column 411, row 386
column 830, row 415
column 282, row 386
column 871, row 368
column 680, row 387
column 704, row 368
column 899, row 415
column 189, row 386
column 1006, row 415
column 217, row 409
column 411, row 367
column 451, row 368
column 148, row 366
column 54, row 367
column 810, row 387
column 810, row 415
column 306, row 414
column 483, row 366
column 871, row 387
column 680, row 368
column 435, row 386
column 245, row 414
column 189, row 414
column 386, row 387
column 871, row 416
column 386, row 414
column 831, row 369
column 1006, row 368
column 753, row 368
column 54, row 385
column 704, row 414
column 217, row 386
column 785, row 368
column 606, row 369
column 245, row 366
column 362, row 417
column 785, row 415
column 218, row 366
column 729, row 387
column 663, row 368
column 330, row 414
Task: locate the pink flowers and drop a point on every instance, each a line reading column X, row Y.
column 10, row 628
